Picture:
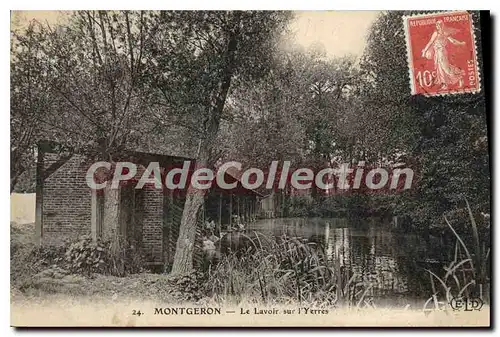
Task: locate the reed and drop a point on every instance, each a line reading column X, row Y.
column 466, row 275
column 288, row 270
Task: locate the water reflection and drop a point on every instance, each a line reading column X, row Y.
column 394, row 264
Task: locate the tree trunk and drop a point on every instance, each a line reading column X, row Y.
column 113, row 231
column 183, row 259
column 111, row 219
column 39, row 197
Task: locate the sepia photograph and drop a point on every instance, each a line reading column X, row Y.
column 250, row 168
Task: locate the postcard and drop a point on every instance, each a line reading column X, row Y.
column 250, row 168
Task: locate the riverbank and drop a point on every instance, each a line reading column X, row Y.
column 264, row 276
column 312, row 262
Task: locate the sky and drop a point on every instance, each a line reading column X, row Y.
column 21, row 18
column 341, row 32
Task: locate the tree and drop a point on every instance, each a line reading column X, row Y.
column 198, row 56
column 30, row 99
column 79, row 84
column 98, row 61
column 444, row 137
column 297, row 113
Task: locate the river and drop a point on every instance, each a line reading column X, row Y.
column 393, row 263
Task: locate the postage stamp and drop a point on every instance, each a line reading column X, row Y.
column 442, row 57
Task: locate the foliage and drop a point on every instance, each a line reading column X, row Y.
column 298, row 112
column 300, row 206
column 188, row 287
column 444, row 139
column 197, row 57
column 352, row 205
column 26, row 259
column 217, row 85
column 290, row 270
column 467, row 275
column 103, row 256
column 85, row 256
column 30, row 101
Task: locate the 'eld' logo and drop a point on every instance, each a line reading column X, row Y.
column 466, row 304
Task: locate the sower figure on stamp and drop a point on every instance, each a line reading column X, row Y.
column 446, row 73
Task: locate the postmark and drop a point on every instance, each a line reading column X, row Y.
column 442, row 56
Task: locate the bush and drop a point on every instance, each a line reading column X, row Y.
column 87, row 257
column 191, row 287
column 114, row 257
column 83, row 257
column 300, row 205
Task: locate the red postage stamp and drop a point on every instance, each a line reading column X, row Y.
column 442, row 55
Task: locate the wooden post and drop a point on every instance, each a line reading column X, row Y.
column 204, row 212
column 131, row 220
column 243, row 207
column 39, row 196
column 238, row 201
column 167, row 225
column 230, row 210
column 250, row 200
column 253, row 208
column 97, row 208
column 247, row 210
column 220, row 213
column 125, row 209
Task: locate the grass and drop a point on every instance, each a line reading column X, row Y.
column 467, row 274
column 24, row 258
column 288, row 270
